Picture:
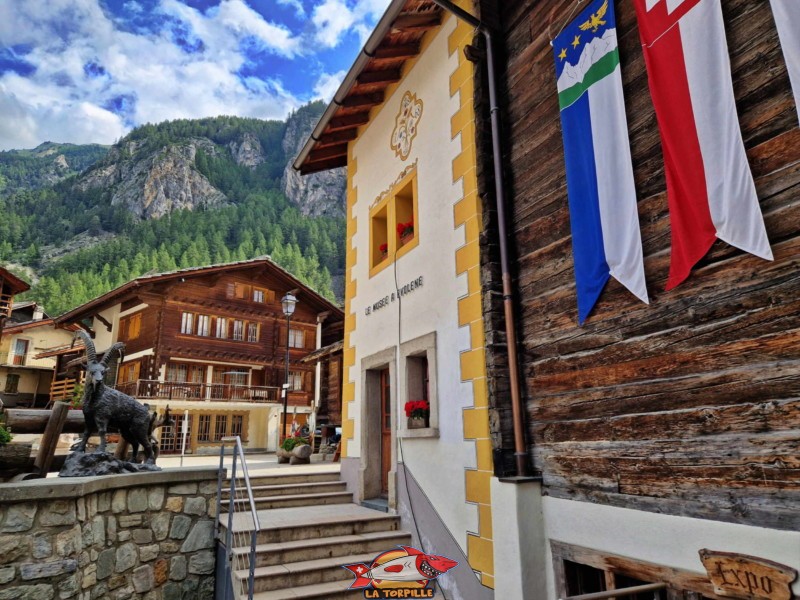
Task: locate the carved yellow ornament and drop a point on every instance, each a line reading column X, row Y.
column 406, row 122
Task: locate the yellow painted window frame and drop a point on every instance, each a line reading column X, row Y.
column 390, row 203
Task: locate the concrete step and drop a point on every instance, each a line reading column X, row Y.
column 279, row 479
column 308, row 572
column 282, row 553
column 325, row 521
column 293, row 489
column 334, row 590
column 268, row 502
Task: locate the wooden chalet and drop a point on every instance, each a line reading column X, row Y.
column 211, row 342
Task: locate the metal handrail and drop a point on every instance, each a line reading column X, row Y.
column 238, row 457
column 621, row 592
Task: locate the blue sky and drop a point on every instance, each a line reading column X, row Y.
column 89, row 70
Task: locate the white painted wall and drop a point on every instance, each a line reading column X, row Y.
column 438, row 464
column 662, row 539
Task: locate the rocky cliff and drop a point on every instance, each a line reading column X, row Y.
column 153, row 184
column 317, row 194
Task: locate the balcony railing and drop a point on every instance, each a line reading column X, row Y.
column 143, row 389
column 17, row 360
column 6, row 302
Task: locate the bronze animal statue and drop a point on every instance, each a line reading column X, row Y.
column 104, row 407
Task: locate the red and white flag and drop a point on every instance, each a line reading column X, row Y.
column 787, row 18
column 710, row 188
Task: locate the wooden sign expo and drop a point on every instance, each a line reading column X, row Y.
column 748, row 577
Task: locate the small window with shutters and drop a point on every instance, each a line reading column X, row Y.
column 130, row 327
column 238, row 330
column 222, row 328
column 187, row 323
column 203, row 325
column 252, row 332
column 296, row 338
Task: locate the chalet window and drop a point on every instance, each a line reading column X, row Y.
column 187, row 323
column 130, row 327
column 241, row 291
column 185, row 373
column 222, row 328
column 237, row 425
column 297, row 338
column 220, row 427
column 238, row 330
column 202, row 325
column 296, row 381
column 20, row 352
column 12, row 384
column 129, row 372
column 258, row 295
column 204, row 428
column 393, row 225
column 252, row 332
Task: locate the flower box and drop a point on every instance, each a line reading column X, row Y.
column 418, row 413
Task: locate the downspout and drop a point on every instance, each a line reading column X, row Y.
column 520, row 453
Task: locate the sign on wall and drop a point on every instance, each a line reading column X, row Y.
column 747, row 577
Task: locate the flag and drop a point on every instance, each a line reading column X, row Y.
column 787, row 18
column 710, row 188
column 606, row 241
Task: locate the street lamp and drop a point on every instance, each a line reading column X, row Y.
column 288, row 303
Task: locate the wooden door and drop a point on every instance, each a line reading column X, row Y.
column 386, row 431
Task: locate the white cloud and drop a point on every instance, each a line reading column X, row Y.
column 296, row 4
column 327, row 85
column 335, row 18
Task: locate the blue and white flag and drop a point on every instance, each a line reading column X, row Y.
column 606, row 241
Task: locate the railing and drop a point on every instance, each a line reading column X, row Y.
column 6, row 302
column 242, row 520
column 202, row 392
column 62, row 389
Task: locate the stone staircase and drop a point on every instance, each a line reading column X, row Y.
column 309, row 529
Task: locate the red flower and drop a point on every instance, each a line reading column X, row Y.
column 384, row 248
column 418, row 409
column 405, row 228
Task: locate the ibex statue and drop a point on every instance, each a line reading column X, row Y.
column 105, row 407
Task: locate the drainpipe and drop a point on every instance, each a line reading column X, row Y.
column 520, row 453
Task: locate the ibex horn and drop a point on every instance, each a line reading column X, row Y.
column 91, row 354
column 116, row 349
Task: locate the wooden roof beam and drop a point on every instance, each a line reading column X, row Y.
column 363, row 100
column 408, row 22
column 337, row 137
column 402, row 52
column 329, row 152
column 347, row 122
column 323, row 165
column 372, row 77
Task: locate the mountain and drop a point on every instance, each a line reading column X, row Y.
column 45, row 165
column 176, row 194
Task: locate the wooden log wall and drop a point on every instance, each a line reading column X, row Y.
column 689, row 405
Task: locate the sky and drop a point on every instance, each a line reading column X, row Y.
column 85, row 71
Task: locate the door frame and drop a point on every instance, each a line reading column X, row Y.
column 370, row 473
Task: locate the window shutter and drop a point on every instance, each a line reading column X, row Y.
column 309, row 386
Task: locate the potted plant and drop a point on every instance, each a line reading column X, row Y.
column 288, row 452
column 384, row 248
column 418, row 413
column 405, row 231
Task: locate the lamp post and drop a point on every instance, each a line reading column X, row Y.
column 288, row 303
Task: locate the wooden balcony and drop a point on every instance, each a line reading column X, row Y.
column 62, row 390
column 149, row 389
column 6, row 302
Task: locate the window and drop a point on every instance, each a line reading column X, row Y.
column 222, row 328
column 297, row 338
column 185, row 373
column 130, row 327
column 187, row 323
column 241, row 291
column 202, row 325
column 238, row 330
column 296, row 381
column 252, row 332
column 20, row 352
column 129, row 372
column 237, row 425
column 258, row 295
column 393, row 224
column 12, row 384
column 418, row 366
column 220, row 427
column 204, row 428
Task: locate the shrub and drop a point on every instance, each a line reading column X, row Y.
column 289, row 444
column 5, row 435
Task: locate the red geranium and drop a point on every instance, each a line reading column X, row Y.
column 384, row 248
column 417, row 409
column 405, row 228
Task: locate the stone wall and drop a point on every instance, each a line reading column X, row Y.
column 145, row 535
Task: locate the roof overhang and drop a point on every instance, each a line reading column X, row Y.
column 396, row 39
column 17, row 285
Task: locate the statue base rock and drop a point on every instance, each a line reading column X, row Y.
column 79, row 464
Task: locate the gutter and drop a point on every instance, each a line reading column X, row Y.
column 520, row 453
column 367, row 52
